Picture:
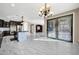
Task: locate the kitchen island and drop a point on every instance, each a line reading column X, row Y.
column 22, row 36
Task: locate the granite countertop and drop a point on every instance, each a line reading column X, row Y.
column 23, row 31
column 4, row 29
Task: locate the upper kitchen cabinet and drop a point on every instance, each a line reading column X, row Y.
column 1, row 23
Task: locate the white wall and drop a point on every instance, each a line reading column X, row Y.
column 76, row 26
column 12, row 28
column 25, row 26
column 36, row 21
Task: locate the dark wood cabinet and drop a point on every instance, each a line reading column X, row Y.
column 4, row 23
column 1, row 38
column 1, row 23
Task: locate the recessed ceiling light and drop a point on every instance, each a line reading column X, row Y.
column 12, row 5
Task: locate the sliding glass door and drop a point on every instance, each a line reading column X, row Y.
column 52, row 28
column 60, row 28
column 64, row 28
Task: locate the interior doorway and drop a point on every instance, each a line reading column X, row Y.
column 32, row 28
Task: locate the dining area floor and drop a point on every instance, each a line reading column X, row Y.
column 38, row 46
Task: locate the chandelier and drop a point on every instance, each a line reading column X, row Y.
column 44, row 10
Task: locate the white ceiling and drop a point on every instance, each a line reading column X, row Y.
column 30, row 10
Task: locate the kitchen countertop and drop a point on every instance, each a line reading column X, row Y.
column 4, row 29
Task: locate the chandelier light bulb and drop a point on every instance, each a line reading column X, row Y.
column 45, row 10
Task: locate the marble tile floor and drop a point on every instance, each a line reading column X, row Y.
column 38, row 47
